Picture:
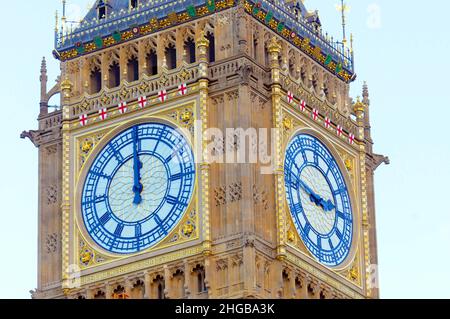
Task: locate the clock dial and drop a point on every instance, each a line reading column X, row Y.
column 318, row 199
column 138, row 188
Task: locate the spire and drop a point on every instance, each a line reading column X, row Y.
column 43, row 79
column 365, row 93
column 366, row 101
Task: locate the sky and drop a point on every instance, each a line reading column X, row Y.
column 401, row 50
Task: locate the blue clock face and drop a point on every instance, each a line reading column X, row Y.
column 138, row 188
column 318, row 200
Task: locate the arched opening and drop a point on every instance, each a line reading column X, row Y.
column 255, row 47
column 133, row 69
column 266, row 57
column 161, row 291
column 200, row 273
column 158, row 282
column 134, row 4
column 95, row 81
column 286, row 284
column 54, row 104
column 152, row 63
column 114, row 75
column 100, row 295
column 189, row 49
column 310, row 292
column 178, row 284
column 211, row 54
column 101, row 10
column 171, row 57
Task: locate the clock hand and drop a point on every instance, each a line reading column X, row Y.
column 317, row 199
column 137, row 165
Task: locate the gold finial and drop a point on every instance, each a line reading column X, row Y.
column 359, row 107
column 202, row 41
column 66, row 87
column 274, row 46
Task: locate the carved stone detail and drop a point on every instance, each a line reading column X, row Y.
column 52, row 194
column 51, row 243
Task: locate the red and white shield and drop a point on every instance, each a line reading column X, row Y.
column 123, row 108
column 83, row 119
column 162, row 95
column 315, row 114
column 182, row 89
column 103, row 114
column 142, row 101
column 290, row 97
column 351, row 138
column 302, row 105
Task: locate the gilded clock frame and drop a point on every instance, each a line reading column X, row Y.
column 78, row 171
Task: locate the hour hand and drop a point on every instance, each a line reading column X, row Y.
column 327, row 206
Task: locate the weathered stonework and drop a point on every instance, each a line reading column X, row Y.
column 237, row 237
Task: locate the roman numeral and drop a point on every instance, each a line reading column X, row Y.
column 138, row 230
column 339, row 234
column 172, row 200
column 297, row 208
column 116, row 153
column 118, row 231
column 100, row 174
column 105, row 218
column 159, row 222
column 95, row 200
column 307, row 229
column 339, row 191
column 178, row 176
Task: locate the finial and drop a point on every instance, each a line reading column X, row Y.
column 56, row 21
column 343, row 8
column 202, row 41
column 43, row 66
column 274, row 46
column 359, row 107
column 63, row 18
column 66, row 87
column 351, row 42
column 365, row 93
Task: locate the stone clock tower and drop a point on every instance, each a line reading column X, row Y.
column 204, row 149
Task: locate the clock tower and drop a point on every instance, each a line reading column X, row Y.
column 204, row 149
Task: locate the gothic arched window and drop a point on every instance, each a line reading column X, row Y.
column 95, row 81
column 152, row 63
column 114, row 75
column 189, row 47
column 133, row 69
column 171, row 57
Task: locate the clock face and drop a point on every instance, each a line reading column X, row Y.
column 138, row 188
column 318, row 200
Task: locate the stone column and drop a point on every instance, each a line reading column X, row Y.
column 187, row 280
column 105, row 70
column 274, row 52
column 143, row 67
column 128, row 287
column 109, row 291
column 147, row 286
column 167, row 282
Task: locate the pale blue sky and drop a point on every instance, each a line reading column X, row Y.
column 405, row 60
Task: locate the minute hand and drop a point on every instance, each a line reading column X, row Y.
column 137, row 165
column 317, row 199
